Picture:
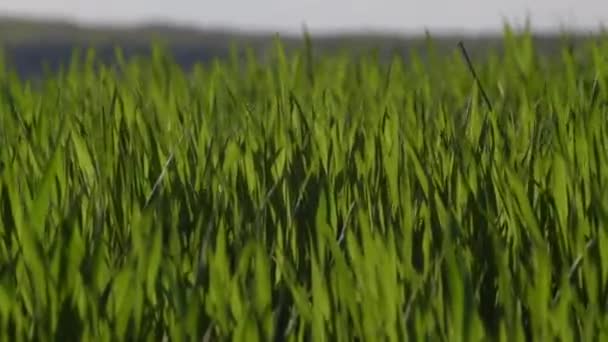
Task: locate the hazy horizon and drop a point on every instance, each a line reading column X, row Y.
column 319, row 17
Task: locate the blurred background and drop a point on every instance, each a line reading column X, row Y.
column 35, row 33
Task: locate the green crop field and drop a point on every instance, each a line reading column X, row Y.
column 308, row 198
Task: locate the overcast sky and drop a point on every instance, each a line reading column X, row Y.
column 325, row 15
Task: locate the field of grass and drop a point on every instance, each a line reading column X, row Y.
column 330, row 199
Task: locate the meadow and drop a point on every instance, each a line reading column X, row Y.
column 308, row 199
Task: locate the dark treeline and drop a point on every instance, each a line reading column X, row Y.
column 30, row 47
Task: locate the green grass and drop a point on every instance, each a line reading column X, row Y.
column 331, row 199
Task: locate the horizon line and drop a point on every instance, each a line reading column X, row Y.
column 259, row 30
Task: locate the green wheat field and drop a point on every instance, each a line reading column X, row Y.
column 308, row 199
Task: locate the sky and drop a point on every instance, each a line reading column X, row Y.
column 325, row 15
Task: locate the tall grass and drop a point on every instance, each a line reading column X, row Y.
column 324, row 200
